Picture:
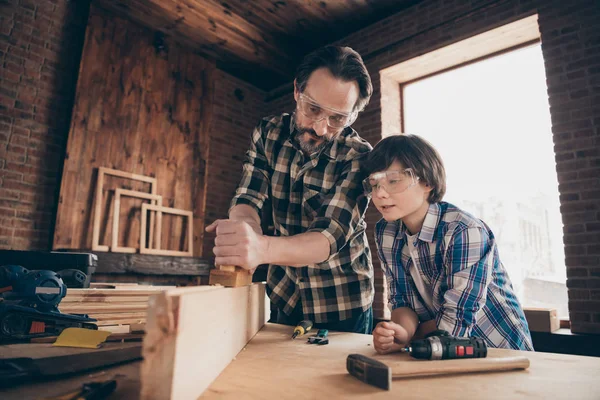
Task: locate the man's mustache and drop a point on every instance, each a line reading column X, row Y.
column 311, row 132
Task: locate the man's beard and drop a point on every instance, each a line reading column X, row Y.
column 308, row 140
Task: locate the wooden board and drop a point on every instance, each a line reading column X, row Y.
column 84, row 308
column 193, row 333
column 154, row 199
column 48, row 361
column 136, row 110
column 146, row 264
column 103, row 299
column 274, row 367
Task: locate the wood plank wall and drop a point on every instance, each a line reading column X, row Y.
column 138, row 109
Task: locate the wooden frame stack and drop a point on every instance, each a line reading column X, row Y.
column 96, row 246
column 155, row 232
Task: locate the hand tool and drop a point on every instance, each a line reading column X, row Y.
column 29, row 304
column 320, row 338
column 302, row 327
column 378, row 374
column 439, row 345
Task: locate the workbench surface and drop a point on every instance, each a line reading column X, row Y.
column 273, row 366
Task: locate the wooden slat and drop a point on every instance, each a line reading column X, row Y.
column 182, row 352
column 119, row 263
column 103, row 299
column 142, row 291
column 117, row 316
column 85, row 308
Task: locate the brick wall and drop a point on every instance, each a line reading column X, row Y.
column 237, row 109
column 571, row 46
column 40, row 47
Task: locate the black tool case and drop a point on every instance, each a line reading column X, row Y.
column 51, row 260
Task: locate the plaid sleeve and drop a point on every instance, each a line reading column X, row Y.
column 343, row 209
column 254, row 185
column 469, row 265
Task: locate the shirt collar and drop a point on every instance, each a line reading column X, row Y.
column 430, row 224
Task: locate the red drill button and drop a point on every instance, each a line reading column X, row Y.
column 460, row 351
column 469, row 350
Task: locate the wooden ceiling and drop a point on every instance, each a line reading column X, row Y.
column 260, row 41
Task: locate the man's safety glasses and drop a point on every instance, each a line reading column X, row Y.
column 392, row 182
column 312, row 110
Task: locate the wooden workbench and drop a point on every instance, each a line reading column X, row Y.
column 273, row 366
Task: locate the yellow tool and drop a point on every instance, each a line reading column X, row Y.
column 302, row 327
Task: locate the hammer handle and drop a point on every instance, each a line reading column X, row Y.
column 443, row 367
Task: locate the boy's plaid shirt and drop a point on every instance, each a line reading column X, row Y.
column 324, row 194
column 457, row 258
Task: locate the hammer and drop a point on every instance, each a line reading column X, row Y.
column 380, row 375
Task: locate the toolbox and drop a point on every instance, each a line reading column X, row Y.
column 51, row 260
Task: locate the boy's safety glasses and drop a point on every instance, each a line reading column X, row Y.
column 315, row 112
column 396, row 181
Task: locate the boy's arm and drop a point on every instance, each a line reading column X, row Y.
column 469, row 262
column 408, row 321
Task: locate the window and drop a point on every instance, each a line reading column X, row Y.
column 490, row 121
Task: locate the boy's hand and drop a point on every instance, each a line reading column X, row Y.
column 389, row 337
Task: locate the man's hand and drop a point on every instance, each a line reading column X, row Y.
column 389, row 337
column 237, row 243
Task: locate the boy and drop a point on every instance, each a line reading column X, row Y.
column 441, row 263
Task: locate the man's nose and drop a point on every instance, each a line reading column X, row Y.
column 321, row 127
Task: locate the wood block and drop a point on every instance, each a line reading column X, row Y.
column 542, row 319
column 192, row 334
column 239, row 277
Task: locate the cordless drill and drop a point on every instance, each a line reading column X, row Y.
column 439, row 345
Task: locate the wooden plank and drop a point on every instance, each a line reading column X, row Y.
column 85, row 308
column 183, row 353
column 102, row 299
column 127, row 321
column 143, row 290
column 167, row 210
column 272, row 364
column 39, row 360
column 118, row 316
column 120, row 263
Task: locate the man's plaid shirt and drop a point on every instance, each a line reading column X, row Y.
column 324, row 194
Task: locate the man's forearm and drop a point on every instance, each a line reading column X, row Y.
column 298, row 250
column 244, row 212
column 294, row 251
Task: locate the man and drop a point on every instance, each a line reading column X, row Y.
column 308, row 164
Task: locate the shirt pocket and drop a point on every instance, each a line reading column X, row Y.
column 312, row 200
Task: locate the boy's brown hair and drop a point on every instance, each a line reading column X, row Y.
column 413, row 152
